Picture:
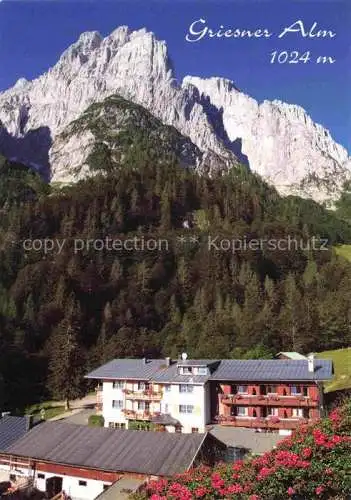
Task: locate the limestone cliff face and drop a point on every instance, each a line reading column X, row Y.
column 277, row 140
column 282, row 142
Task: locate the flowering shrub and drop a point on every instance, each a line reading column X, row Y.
column 313, row 463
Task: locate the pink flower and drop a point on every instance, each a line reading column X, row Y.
column 238, row 465
column 180, row 492
column 201, row 491
column 217, row 481
column 319, row 490
column 336, row 439
column 306, row 452
column 158, row 486
column 265, row 472
column 335, row 416
column 290, row 491
column 235, row 488
column 319, row 437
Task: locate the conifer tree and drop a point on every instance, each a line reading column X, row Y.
column 66, row 364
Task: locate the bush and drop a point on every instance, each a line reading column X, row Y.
column 96, row 421
column 314, row 463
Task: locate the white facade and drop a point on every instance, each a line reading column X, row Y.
column 189, row 404
column 112, row 414
column 75, row 487
column 78, row 488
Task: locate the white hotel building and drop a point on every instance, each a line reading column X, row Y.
column 186, row 395
column 172, row 396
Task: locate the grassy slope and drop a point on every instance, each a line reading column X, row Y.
column 52, row 409
column 344, row 251
column 342, row 368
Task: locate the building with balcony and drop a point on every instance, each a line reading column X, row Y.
column 86, row 462
column 188, row 395
column 274, row 395
column 158, row 394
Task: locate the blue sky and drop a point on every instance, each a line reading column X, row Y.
column 34, row 33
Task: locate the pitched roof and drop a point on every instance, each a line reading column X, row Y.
column 171, row 375
column 150, row 453
column 11, row 429
column 258, row 370
column 267, row 370
column 238, row 437
column 291, row 355
column 128, row 369
column 153, row 369
column 197, row 362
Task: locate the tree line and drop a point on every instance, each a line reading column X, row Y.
column 63, row 313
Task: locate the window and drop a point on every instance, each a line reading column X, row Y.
column 297, row 412
column 272, row 412
column 168, row 388
column 82, row 483
column 106, row 486
column 272, row 389
column 117, row 425
column 202, row 370
column 295, row 390
column 186, row 388
column 305, row 392
column 13, row 477
column 186, row 408
column 194, row 430
column 118, row 384
column 41, row 476
column 143, row 405
column 141, row 386
column 241, row 411
column 187, row 370
column 165, row 408
column 117, row 404
column 242, row 389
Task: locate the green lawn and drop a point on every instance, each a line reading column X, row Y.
column 344, row 251
column 51, row 408
column 342, row 369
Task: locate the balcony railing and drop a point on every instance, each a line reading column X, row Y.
column 138, row 415
column 267, row 400
column 147, row 395
column 262, row 423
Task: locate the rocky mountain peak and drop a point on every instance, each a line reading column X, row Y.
column 277, row 140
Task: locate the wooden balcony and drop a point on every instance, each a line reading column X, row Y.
column 267, row 400
column 137, row 415
column 273, row 423
column 148, row 395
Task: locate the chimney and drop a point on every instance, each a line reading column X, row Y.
column 29, row 422
column 144, row 361
column 168, row 361
column 5, row 414
column 310, row 359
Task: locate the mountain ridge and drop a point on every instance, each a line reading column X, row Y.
column 276, row 140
